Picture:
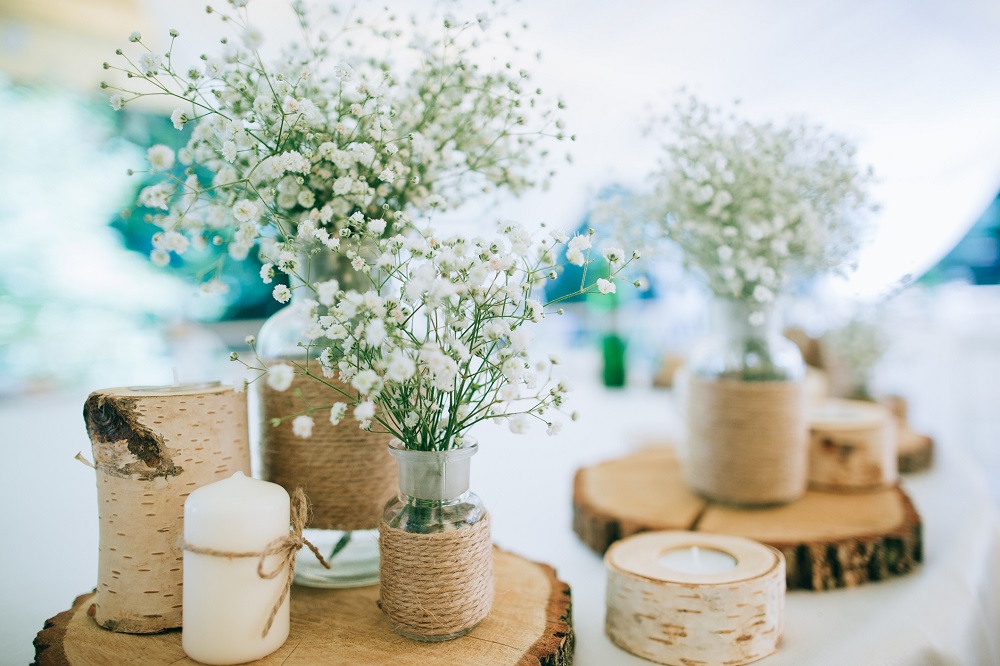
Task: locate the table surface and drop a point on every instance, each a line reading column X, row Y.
column 947, row 612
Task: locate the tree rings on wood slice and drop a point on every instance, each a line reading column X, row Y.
column 732, row 614
column 529, row 624
column 828, row 539
column 852, row 446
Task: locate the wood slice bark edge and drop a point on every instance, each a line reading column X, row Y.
column 844, row 560
column 553, row 646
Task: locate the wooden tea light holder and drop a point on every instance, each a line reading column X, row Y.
column 852, row 446
column 690, row 598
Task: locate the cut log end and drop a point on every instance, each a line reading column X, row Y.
column 829, row 539
column 530, row 625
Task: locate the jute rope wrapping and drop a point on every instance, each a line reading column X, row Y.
column 347, row 472
column 284, row 547
column 436, row 584
column 747, row 441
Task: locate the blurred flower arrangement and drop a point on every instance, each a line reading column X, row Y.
column 754, row 205
column 439, row 340
column 851, row 352
column 306, row 146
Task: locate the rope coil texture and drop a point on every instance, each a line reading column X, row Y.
column 747, row 441
column 436, row 584
column 347, row 472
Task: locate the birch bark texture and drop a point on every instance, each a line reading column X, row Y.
column 152, row 448
column 683, row 618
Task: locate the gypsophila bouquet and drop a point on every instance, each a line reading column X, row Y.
column 853, row 350
column 438, row 342
column 754, row 205
column 301, row 145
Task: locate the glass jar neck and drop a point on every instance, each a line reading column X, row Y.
column 434, row 476
column 739, row 320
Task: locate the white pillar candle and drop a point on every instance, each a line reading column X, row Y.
column 698, row 560
column 226, row 602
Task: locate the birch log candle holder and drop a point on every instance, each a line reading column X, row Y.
column 852, row 446
column 153, row 446
column 692, row 598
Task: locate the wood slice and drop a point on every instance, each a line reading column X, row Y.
column 916, row 451
column 828, row 539
column 529, row 624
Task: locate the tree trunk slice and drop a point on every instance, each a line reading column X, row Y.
column 529, row 625
column 829, row 539
column 916, row 451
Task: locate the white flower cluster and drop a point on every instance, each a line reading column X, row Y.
column 856, row 348
column 439, row 340
column 299, row 146
column 754, row 205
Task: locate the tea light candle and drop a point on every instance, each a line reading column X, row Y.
column 688, row 597
column 852, row 445
column 226, row 602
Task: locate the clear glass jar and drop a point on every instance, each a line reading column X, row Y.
column 747, row 345
column 345, row 533
column 434, row 499
column 747, row 434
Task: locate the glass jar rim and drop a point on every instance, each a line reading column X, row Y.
column 450, row 455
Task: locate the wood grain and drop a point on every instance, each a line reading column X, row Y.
column 529, row 625
column 828, row 539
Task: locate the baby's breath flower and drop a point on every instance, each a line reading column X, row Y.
column 281, row 293
column 280, row 376
column 302, row 426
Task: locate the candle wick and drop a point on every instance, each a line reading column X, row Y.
column 696, row 557
column 177, row 380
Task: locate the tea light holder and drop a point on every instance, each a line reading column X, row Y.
column 852, row 446
column 693, row 598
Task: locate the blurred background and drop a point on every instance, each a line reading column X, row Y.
column 915, row 84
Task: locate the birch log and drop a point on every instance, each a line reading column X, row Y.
column 685, row 618
column 852, row 446
column 152, row 448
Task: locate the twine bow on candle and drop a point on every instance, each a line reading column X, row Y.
column 285, row 547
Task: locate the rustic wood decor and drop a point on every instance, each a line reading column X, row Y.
column 852, row 446
column 529, row 624
column 152, row 447
column 828, row 539
column 915, row 451
column 700, row 616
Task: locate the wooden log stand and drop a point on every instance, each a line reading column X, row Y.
column 529, row 624
column 829, row 540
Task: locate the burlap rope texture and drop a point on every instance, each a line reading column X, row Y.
column 347, row 472
column 747, row 441
column 436, row 584
column 286, row 547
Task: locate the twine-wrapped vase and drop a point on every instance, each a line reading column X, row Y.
column 436, row 554
column 747, row 439
column 346, row 472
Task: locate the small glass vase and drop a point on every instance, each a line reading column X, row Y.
column 346, row 472
column 436, row 553
column 746, row 410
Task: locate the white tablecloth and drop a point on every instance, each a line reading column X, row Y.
column 947, row 612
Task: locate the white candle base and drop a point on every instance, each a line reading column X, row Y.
column 226, row 603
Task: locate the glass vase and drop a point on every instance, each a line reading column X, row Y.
column 346, row 472
column 437, row 557
column 746, row 410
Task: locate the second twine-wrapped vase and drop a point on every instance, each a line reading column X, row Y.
column 346, row 472
column 436, row 553
column 747, row 439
